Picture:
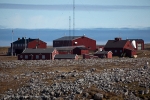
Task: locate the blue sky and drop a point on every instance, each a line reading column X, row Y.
column 54, row 14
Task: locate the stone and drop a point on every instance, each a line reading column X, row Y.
column 98, row 96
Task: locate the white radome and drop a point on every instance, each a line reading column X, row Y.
column 134, row 43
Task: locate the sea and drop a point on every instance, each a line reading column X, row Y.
column 101, row 35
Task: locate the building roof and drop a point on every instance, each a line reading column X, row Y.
column 81, row 48
column 137, row 40
column 39, row 50
column 67, row 38
column 68, row 47
column 21, row 41
column 65, row 56
column 102, row 52
column 115, row 44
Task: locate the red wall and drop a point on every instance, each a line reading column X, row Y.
column 48, row 56
column 142, row 43
column 87, row 42
column 40, row 44
column 80, row 52
column 65, row 52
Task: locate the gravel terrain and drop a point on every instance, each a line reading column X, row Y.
column 97, row 79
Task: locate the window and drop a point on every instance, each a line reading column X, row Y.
column 37, row 56
column 120, row 50
column 116, row 51
column 26, row 56
column 21, row 56
column 43, row 56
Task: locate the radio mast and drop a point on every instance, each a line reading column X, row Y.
column 73, row 18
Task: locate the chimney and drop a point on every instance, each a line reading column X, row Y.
column 18, row 38
column 118, row 38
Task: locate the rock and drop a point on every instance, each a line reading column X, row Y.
column 98, row 96
column 86, row 94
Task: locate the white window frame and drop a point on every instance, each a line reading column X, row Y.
column 26, row 56
column 43, row 56
column 37, row 57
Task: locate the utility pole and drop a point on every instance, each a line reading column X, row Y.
column 12, row 44
column 25, row 42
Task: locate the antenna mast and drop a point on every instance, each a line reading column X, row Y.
column 69, row 25
column 73, row 18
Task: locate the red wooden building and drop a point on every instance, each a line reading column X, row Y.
column 120, row 47
column 75, row 41
column 21, row 44
column 103, row 54
column 139, row 43
column 66, row 56
column 80, row 50
column 38, row 54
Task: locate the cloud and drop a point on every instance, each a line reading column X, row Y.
column 69, row 7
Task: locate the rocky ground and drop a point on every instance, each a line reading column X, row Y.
column 98, row 79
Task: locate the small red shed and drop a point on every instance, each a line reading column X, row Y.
column 80, row 50
column 103, row 54
column 38, row 54
column 66, row 56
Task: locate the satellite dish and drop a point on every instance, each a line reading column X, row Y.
column 134, row 43
column 75, row 42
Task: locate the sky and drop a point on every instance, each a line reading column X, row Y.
column 54, row 14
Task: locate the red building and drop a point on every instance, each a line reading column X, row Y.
column 21, row 44
column 103, row 54
column 120, row 47
column 80, row 50
column 139, row 43
column 66, row 56
column 38, row 54
column 75, row 41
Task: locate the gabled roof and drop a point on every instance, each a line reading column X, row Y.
column 137, row 40
column 102, row 52
column 68, row 38
column 39, row 50
column 115, row 44
column 65, row 56
column 22, row 41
